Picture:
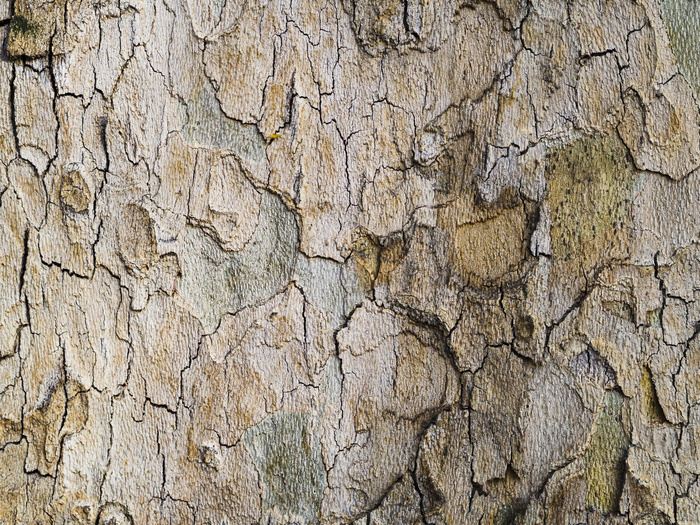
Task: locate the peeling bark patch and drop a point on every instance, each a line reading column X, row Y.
column 137, row 238
column 207, row 125
column 114, row 514
column 488, row 250
column 286, row 452
column 682, row 20
column 605, row 459
column 75, row 194
column 215, row 281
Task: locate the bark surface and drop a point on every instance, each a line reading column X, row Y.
column 377, row 262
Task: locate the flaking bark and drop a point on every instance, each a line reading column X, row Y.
column 374, row 262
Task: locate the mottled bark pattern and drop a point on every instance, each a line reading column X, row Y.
column 349, row 262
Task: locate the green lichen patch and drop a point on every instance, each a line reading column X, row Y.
column 590, row 190
column 21, row 24
column 606, row 456
column 287, row 454
column 26, row 37
column 32, row 26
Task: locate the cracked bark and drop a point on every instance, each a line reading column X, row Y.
column 372, row 262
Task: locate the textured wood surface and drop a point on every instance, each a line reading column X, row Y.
column 372, row 262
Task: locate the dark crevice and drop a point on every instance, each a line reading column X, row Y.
column 13, row 109
column 23, row 268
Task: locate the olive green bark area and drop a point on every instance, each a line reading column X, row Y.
column 287, row 454
column 682, row 20
column 606, row 456
column 650, row 399
column 590, row 191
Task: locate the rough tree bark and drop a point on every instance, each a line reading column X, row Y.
column 354, row 261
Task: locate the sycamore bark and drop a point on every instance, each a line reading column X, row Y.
column 373, row 262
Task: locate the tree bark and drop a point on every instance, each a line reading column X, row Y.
column 372, row 262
